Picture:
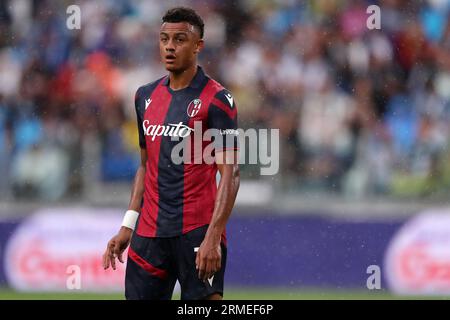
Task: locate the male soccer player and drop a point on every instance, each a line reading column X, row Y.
column 181, row 212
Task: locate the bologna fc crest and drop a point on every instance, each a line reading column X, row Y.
column 194, row 107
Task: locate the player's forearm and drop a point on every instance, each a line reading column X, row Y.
column 137, row 191
column 226, row 196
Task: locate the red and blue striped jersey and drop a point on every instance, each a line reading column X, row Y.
column 180, row 197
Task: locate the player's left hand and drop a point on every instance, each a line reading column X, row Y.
column 209, row 259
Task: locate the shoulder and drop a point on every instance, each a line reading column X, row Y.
column 147, row 89
column 222, row 105
column 222, row 95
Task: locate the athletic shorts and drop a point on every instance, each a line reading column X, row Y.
column 155, row 264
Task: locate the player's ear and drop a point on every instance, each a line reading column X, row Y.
column 199, row 46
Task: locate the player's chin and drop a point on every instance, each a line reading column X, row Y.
column 171, row 67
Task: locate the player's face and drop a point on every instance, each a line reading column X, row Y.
column 179, row 44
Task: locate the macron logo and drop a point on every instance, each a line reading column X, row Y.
column 147, row 103
column 229, row 98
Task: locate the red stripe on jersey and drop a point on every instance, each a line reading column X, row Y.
column 200, row 189
column 155, row 114
column 160, row 273
column 231, row 112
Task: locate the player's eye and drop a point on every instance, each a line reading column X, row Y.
column 164, row 40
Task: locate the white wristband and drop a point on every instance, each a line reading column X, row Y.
column 130, row 218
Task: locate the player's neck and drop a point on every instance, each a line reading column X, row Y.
column 182, row 80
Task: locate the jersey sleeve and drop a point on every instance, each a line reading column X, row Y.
column 140, row 117
column 222, row 116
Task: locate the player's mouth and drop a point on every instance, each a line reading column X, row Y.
column 170, row 58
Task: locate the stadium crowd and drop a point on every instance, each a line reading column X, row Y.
column 360, row 112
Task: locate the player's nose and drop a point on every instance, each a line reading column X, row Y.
column 170, row 46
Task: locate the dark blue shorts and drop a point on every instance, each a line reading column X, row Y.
column 155, row 264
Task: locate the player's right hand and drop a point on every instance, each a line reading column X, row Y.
column 116, row 246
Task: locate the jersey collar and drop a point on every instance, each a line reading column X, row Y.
column 196, row 81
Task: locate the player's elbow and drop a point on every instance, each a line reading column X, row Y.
column 141, row 169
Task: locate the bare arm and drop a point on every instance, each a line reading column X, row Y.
column 208, row 259
column 117, row 245
column 137, row 191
